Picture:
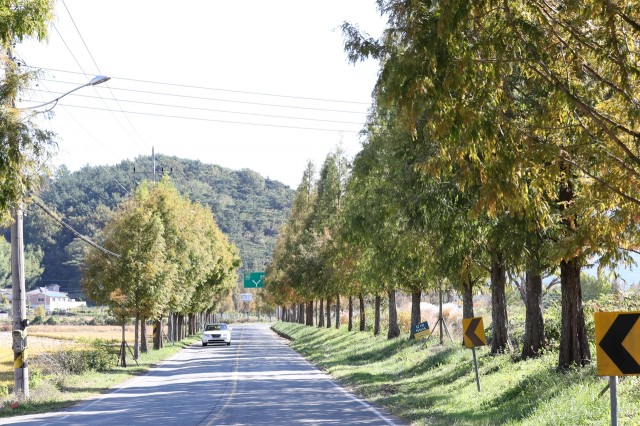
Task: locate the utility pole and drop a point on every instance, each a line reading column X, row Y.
column 19, row 307
column 20, row 321
column 157, row 325
column 154, row 167
column 18, row 303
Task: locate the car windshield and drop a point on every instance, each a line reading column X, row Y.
column 211, row 327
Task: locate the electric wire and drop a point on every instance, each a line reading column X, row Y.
column 204, row 98
column 225, row 111
column 216, row 120
column 81, row 38
column 86, row 76
column 218, row 89
column 46, row 90
column 87, row 240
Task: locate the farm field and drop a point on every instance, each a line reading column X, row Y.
column 48, row 338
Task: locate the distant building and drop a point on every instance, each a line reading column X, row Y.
column 51, row 298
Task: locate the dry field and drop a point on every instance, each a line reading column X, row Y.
column 46, row 338
column 79, row 333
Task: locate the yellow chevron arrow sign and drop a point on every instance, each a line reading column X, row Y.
column 473, row 332
column 618, row 343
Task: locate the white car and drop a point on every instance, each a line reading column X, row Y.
column 216, row 333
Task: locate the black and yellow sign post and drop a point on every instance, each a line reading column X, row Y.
column 473, row 335
column 617, row 350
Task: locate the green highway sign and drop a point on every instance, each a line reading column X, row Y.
column 253, row 279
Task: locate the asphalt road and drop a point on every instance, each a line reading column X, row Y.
column 257, row 380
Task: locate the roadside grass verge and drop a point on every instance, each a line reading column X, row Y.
column 53, row 392
column 428, row 384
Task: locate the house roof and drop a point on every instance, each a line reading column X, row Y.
column 49, row 293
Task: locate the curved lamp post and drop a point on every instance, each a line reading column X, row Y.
column 99, row 79
column 19, row 305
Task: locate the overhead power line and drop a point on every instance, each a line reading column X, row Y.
column 70, row 228
column 218, row 110
column 213, row 120
column 187, row 86
column 204, row 98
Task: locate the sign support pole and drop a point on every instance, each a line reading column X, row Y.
column 613, row 392
column 475, row 365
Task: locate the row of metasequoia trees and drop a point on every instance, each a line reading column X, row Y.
column 165, row 255
column 503, row 139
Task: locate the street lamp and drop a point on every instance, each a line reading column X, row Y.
column 99, row 79
column 19, row 305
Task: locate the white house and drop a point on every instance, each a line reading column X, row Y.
column 51, row 298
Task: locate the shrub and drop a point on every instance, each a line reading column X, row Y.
column 70, row 361
column 404, row 321
column 112, row 321
column 51, row 321
column 39, row 311
column 553, row 325
column 35, row 377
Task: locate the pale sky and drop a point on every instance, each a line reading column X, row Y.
column 259, row 84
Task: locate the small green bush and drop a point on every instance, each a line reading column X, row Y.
column 35, row 377
column 51, row 321
column 112, row 321
column 39, row 311
column 553, row 325
column 69, row 361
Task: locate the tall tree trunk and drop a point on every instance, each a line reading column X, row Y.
column 328, row 312
column 500, row 335
column 416, row 294
column 176, row 327
column 362, row 318
column 534, row 323
column 143, row 336
column 321, row 314
column 394, row 329
column 338, row 310
column 376, row 322
column 350, row 313
column 310, row 313
column 157, row 334
column 467, row 299
column 301, row 314
column 574, row 345
column 136, row 337
column 123, row 349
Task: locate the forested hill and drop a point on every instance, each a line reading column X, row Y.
column 248, row 208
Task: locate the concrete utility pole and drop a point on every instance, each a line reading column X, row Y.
column 157, row 326
column 154, row 170
column 19, row 308
column 19, row 304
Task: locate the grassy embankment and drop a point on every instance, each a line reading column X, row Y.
column 428, row 384
column 51, row 391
